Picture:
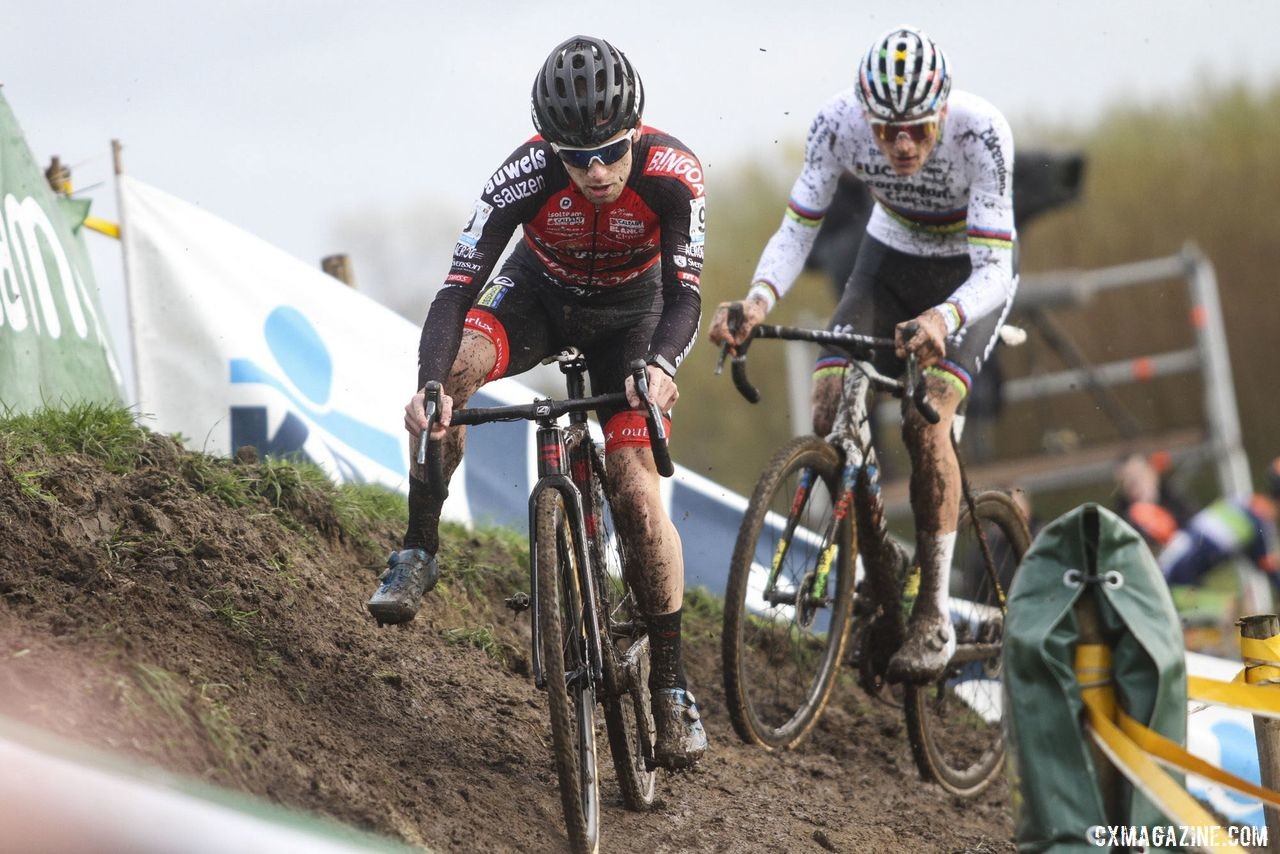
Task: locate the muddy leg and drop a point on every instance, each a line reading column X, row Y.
column 476, row 357
column 655, row 562
column 935, row 504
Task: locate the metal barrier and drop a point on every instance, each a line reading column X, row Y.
column 1218, row 442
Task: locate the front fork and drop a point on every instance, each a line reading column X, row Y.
column 814, row 587
column 551, row 475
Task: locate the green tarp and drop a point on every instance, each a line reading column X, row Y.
column 54, row 348
column 1051, row 768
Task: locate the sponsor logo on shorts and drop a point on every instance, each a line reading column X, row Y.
column 458, row 279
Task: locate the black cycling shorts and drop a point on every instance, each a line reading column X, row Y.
column 528, row 316
column 888, row 287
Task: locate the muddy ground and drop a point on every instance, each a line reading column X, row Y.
column 141, row 614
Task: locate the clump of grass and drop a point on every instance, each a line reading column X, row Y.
column 221, row 603
column 480, row 637
column 29, row 482
column 105, row 432
column 197, row 712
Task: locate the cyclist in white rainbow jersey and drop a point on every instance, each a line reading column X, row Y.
column 936, row 270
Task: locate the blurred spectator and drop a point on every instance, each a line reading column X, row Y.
column 1148, row 501
column 1227, row 529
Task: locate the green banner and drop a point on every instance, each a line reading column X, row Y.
column 54, row 346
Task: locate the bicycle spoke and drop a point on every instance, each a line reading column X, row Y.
column 783, row 639
column 955, row 722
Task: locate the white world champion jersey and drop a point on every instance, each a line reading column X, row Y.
column 960, row 201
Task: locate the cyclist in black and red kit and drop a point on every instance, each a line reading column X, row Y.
column 613, row 221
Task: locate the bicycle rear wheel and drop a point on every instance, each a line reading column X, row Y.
column 955, row 723
column 624, row 641
column 782, row 647
column 570, row 693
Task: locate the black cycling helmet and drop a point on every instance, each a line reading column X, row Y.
column 586, row 93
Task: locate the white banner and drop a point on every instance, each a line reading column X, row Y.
column 237, row 343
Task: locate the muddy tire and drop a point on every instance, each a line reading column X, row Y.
column 955, row 723
column 570, row 695
column 628, row 715
column 779, row 660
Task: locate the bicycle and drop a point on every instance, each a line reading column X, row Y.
column 793, row 601
column 589, row 643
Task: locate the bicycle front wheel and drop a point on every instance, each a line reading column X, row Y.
column 789, row 597
column 624, row 644
column 955, row 723
column 570, row 692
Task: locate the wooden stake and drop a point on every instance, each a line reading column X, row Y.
column 339, row 266
column 1266, row 731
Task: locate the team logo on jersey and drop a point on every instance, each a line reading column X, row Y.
column 493, row 295
column 475, row 226
column 534, row 158
column 664, row 160
column 565, row 203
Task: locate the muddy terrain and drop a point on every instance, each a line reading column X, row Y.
column 152, row 610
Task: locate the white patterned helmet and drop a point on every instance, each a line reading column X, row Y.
column 904, row 76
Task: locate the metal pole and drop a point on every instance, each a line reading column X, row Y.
column 1266, row 731
column 1220, row 406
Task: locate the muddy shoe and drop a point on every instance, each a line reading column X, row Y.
column 681, row 739
column 409, row 574
column 930, row 643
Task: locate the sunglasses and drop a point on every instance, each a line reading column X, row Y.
column 607, row 154
column 920, row 130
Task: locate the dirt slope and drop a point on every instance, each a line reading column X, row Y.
column 142, row 614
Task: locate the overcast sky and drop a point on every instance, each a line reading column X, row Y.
column 287, row 118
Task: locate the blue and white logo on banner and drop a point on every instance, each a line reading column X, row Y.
column 300, row 381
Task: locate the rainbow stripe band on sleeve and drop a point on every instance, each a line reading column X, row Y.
column 952, row 373
column 956, row 323
column 994, row 239
column 807, row 217
column 830, row 366
column 766, row 290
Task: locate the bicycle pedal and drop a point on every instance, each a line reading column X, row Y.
column 519, row 602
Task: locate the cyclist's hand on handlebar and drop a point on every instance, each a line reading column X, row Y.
column 662, row 389
column 750, row 312
column 415, row 415
column 925, row 336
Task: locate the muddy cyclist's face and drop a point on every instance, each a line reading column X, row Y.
column 602, row 183
column 907, row 145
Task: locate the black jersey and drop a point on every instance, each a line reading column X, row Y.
column 591, row 251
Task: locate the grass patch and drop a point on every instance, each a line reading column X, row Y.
column 480, row 637
column 222, row 604
column 107, row 433
column 30, row 485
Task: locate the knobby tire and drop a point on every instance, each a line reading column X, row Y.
column 628, row 716
column 954, row 724
column 778, row 673
column 570, row 695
